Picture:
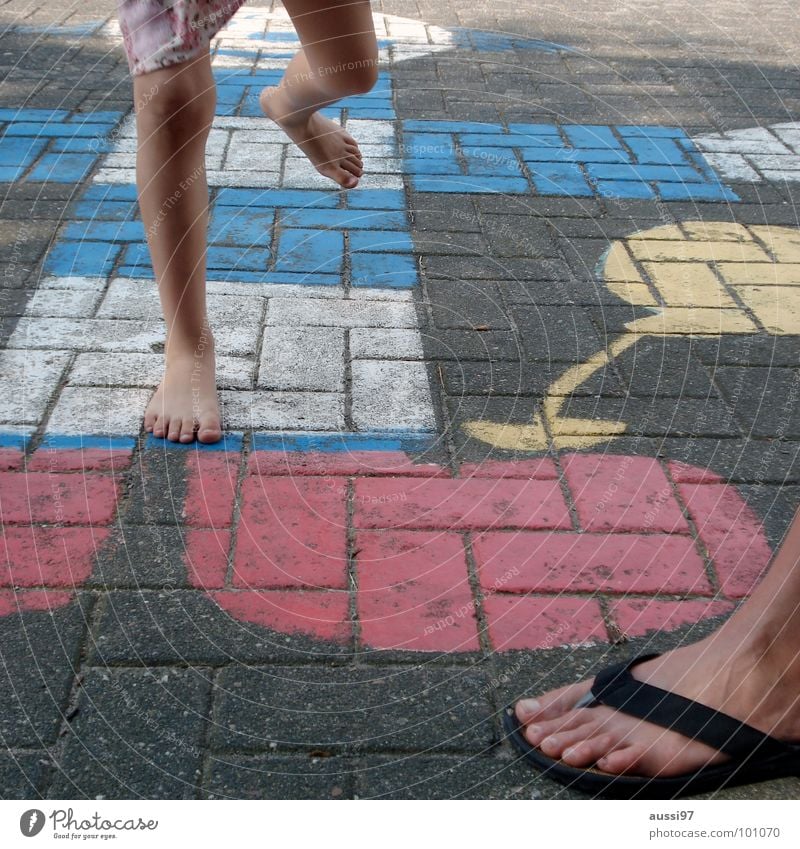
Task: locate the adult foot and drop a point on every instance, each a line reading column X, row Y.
column 185, row 405
column 723, row 672
column 329, row 148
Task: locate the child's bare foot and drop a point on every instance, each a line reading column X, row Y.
column 185, row 405
column 330, row 149
column 725, row 672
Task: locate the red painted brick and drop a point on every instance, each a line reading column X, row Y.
column 321, row 615
column 206, row 557
column 459, row 504
column 210, row 489
column 622, row 493
column 13, row 602
column 50, row 557
column 732, row 534
column 524, row 561
column 525, row 622
column 80, row 460
column 322, row 463
column 414, row 593
column 542, row 468
column 684, row 473
column 10, row 458
column 292, row 533
column 636, row 617
column 72, row 499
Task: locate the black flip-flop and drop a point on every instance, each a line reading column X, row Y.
column 754, row 756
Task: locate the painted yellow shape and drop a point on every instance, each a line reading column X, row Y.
column 782, row 242
column 715, row 231
column 661, row 251
column 688, row 284
column 692, row 302
column 519, row 437
column 633, row 293
column 619, row 266
column 760, row 273
column 776, row 307
column 700, row 321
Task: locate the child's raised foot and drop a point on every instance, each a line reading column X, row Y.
column 329, row 148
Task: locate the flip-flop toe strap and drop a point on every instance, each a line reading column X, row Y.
column 618, row 689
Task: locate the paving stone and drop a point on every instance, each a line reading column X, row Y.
column 272, row 776
column 303, row 358
column 385, row 708
column 135, row 732
column 279, row 410
column 407, row 406
column 23, row 774
column 762, row 399
column 40, row 652
column 28, row 379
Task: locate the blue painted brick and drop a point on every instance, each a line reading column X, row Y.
column 276, row 198
column 490, row 140
column 20, row 152
column 92, row 145
column 628, row 130
column 422, row 165
column 435, row 145
column 560, row 179
column 535, row 129
column 111, row 191
column 62, row 168
column 36, row 115
column 471, row 185
column 381, row 241
column 395, row 271
column 235, row 259
column 105, row 231
column 667, row 173
column 700, row 191
column 591, row 136
column 623, row 189
column 657, row 151
column 136, row 255
column 549, row 154
column 376, row 199
column 344, row 219
column 241, row 227
column 109, row 210
column 9, row 173
column 495, row 161
column 309, row 250
column 54, row 130
column 450, row 127
column 81, row 259
column 95, row 117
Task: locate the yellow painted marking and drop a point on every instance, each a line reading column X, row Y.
column 757, row 274
column 688, row 284
column 693, row 303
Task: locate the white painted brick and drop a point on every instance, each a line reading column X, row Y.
column 266, row 133
column 371, row 132
column 787, row 176
column 315, row 312
column 790, row 136
column 93, row 284
column 304, row 358
column 261, row 179
column 732, row 166
column 732, row 144
column 86, row 334
column 273, row 290
column 145, row 370
column 368, row 293
column 62, row 302
column 115, row 176
column 254, row 157
column 88, row 410
column 28, row 379
column 381, row 165
column 266, row 410
column 771, row 162
column 391, row 395
column 382, row 343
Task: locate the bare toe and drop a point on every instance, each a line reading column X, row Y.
column 174, row 430
column 209, row 429
column 552, row 704
column 187, row 431
column 160, row 426
column 590, row 750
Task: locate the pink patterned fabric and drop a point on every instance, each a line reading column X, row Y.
column 158, row 33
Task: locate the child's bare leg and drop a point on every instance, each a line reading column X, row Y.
column 339, row 58
column 175, row 109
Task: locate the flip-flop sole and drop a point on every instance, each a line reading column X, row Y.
column 603, row 784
